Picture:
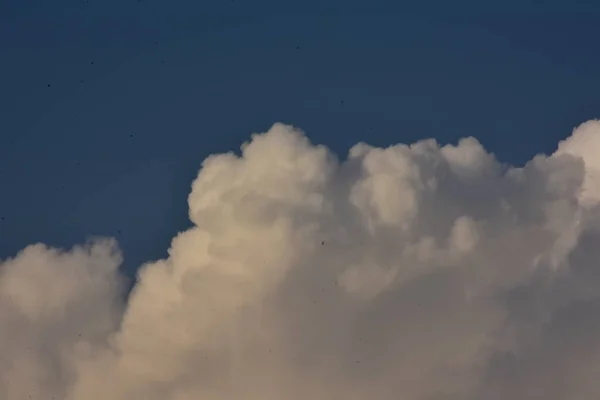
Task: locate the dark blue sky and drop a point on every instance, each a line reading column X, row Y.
column 107, row 108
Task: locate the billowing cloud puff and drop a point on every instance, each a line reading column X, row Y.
column 415, row 272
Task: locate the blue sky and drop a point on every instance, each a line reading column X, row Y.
column 108, row 108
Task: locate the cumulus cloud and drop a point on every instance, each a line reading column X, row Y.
column 414, row 272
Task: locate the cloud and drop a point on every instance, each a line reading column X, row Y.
column 419, row 272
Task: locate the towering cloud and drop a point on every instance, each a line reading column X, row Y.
column 414, row 272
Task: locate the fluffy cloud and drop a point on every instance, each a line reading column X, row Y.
column 415, row 272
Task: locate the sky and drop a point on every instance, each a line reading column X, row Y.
column 192, row 78
column 319, row 199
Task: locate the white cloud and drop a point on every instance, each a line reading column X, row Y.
column 585, row 143
column 420, row 272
